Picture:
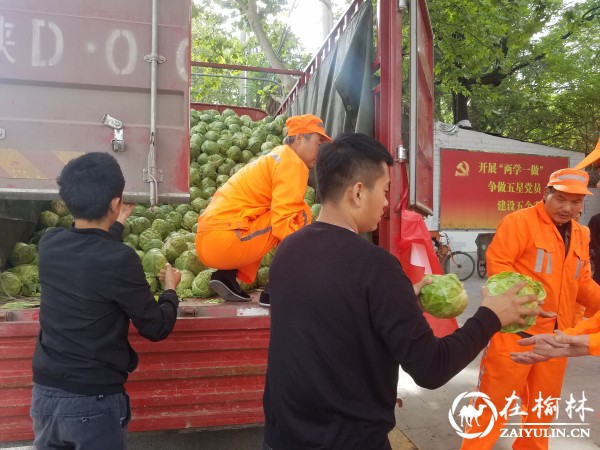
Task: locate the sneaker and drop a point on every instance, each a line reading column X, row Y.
column 224, row 284
column 265, row 297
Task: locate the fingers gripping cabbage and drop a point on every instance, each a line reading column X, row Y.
column 501, row 282
column 444, row 297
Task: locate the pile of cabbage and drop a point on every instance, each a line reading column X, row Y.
column 501, row 282
column 445, row 297
column 220, row 145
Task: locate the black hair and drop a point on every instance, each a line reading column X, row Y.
column 88, row 184
column 350, row 158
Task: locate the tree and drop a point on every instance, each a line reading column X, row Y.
column 508, row 66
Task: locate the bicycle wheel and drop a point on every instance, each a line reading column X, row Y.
column 481, row 269
column 461, row 264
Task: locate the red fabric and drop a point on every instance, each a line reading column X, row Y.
column 414, row 231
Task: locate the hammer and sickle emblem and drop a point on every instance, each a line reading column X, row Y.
column 462, row 169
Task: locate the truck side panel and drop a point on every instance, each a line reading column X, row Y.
column 64, row 65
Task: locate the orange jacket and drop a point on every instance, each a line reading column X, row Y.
column 589, row 326
column 275, row 182
column 528, row 242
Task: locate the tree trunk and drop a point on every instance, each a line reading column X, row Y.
column 460, row 109
column 251, row 13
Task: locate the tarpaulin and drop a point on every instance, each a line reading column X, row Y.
column 418, row 258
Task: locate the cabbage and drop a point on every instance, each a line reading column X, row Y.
column 501, row 282
column 200, row 286
column 262, row 277
column 22, row 254
column 59, row 208
column 309, row 196
column 189, row 220
column 10, row 284
column 153, row 261
column 139, row 224
column 268, row 258
column 184, row 288
column 174, row 246
column 152, row 282
column 163, row 226
column 147, row 236
column 48, row 219
column 444, row 297
column 189, row 261
column 28, row 273
column 315, row 210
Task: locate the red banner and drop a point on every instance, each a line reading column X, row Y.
column 479, row 188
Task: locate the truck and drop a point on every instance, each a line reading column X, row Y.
column 114, row 76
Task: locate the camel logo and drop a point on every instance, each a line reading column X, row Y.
column 469, row 414
column 462, row 169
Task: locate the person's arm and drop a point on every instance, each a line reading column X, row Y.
column 547, row 346
column 153, row 319
column 289, row 212
column 116, row 229
column 432, row 361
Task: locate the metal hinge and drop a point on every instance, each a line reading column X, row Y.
column 118, row 141
column 157, row 175
column 2, row 133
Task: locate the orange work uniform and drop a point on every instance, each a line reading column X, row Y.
column 528, row 242
column 590, row 326
column 255, row 210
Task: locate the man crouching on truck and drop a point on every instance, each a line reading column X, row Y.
column 92, row 285
column 257, row 208
column 345, row 316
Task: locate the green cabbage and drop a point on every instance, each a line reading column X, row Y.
column 189, row 261
column 28, row 273
column 262, row 277
column 444, row 297
column 501, row 282
column 174, row 246
column 153, row 261
column 59, row 208
column 48, row 219
column 22, row 254
column 10, row 284
column 200, row 286
column 184, row 288
column 309, row 196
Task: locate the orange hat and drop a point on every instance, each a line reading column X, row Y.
column 305, row 124
column 571, row 181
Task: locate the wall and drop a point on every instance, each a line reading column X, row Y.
column 451, row 136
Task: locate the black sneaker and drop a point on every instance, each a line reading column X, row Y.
column 224, row 284
column 265, row 297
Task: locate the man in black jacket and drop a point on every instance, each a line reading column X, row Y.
column 344, row 316
column 92, row 286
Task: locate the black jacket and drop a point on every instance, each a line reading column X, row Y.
column 92, row 285
column 344, row 316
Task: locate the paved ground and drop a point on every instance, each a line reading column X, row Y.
column 424, row 416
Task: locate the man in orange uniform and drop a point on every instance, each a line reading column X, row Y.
column 546, row 244
column 257, row 208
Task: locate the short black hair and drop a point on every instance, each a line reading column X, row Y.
column 350, row 158
column 88, row 184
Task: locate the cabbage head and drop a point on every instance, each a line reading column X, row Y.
column 48, row 219
column 315, row 210
column 174, row 246
column 188, row 260
column 184, row 288
column 59, row 208
column 139, row 224
column 147, row 236
column 501, row 282
column 10, row 284
column 28, row 273
column 153, row 261
column 309, row 196
column 152, row 282
column 445, row 297
column 22, row 254
column 189, row 220
column 200, row 287
column 262, row 277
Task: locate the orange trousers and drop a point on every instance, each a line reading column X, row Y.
column 237, row 249
column 499, row 378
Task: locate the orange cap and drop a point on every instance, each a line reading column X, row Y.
column 305, row 124
column 571, row 181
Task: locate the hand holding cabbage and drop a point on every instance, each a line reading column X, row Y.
column 503, row 282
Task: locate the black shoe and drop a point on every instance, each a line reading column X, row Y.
column 265, row 297
column 224, row 284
